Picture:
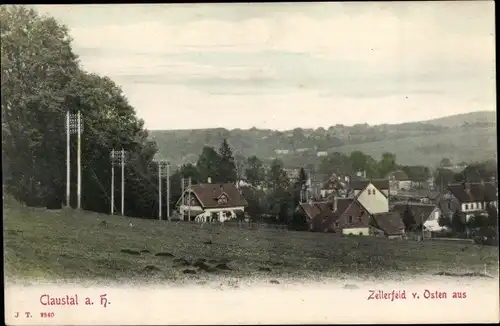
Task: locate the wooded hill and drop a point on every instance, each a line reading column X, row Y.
column 467, row 137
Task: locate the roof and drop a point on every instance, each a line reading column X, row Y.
column 208, row 194
column 474, row 192
column 390, row 222
column 313, row 209
column 381, row 184
column 420, row 212
column 321, row 213
column 343, row 205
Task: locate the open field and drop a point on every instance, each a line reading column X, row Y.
column 50, row 245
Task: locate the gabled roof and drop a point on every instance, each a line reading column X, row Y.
column 390, row 222
column 313, row 209
column 209, row 193
column 321, row 214
column 474, row 192
column 419, row 212
column 381, row 184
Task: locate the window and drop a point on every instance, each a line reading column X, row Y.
column 369, row 192
column 350, row 219
column 336, row 224
column 466, row 206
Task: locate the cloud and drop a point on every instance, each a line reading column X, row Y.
column 370, row 37
column 282, row 66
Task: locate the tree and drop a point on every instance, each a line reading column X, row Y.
column 409, row 219
column 302, row 177
column 358, row 161
column 239, row 162
column 208, row 164
column 458, row 222
column 37, row 65
column 477, row 172
column 416, row 173
column 443, row 177
column 255, row 173
column 40, row 81
column 387, row 164
column 254, row 198
column 335, row 163
column 277, row 178
column 227, row 167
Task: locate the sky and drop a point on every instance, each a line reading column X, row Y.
column 287, row 65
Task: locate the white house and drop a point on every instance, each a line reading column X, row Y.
column 211, row 202
column 474, row 197
column 372, row 194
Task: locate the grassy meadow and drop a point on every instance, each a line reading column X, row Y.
column 66, row 244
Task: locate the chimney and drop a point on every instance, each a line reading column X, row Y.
column 221, row 188
column 209, row 180
column 364, row 173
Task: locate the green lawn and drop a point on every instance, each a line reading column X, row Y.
column 66, row 244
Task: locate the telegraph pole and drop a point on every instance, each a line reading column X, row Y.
column 79, row 161
column 113, row 162
column 182, row 198
column 168, row 191
column 68, row 174
column 189, row 199
column 117, row 156
column 74, row 125
column 159, row 189
column 123, row 181
column 162, row 165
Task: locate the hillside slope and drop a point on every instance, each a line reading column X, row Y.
column 468, row 137
column 460, row 119
column 67, row 244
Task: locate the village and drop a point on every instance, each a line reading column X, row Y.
column 354, row 205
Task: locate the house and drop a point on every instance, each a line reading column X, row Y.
column 282, row 151
column 372, row 194
column 322, row 154
column 312, row 211
column 474, row 197
column 334, row 186
column 399, row 180
column 419, row 214
column 339, row 215
column 314, row 184
column 348, row 216
column 447, row 206
column 388, row 224
column 211, row 202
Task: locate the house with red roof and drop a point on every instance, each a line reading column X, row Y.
column 211, row 202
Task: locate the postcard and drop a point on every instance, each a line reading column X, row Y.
column 248, row 163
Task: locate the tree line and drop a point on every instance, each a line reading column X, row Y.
column 357, row 161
